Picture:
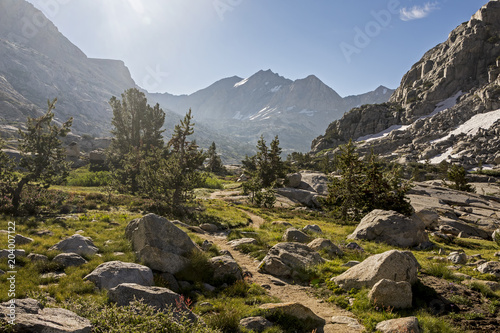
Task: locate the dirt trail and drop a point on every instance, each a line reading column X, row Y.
column 286, row 292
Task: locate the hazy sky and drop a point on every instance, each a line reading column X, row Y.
column 181, row 46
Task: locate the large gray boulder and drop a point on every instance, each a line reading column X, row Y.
column 326, row 245
column 296, row 310
column 31, row 317
column 490, row 267
column 391, row 228
column 393, row 265
column 284, row 259
column 160, row 298
column 69, row 259
column 304, row 197
column 294, row 179
column 407, row 325
column 389, row 293
column 256, row 324
column 294, row 235
column 76, row 244
column 160, row 244
column 112, row 273
column 314, row 182
column 226, row 267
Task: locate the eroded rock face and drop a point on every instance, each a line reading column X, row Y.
column 159, row 243
column 31, row 317
column 76, row 244
column 112, row 273
column 391, row 228
column 441, row 92
column 392, row 265
column 284, row 258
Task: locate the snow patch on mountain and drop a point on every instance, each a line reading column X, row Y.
column 472, row 126
column 382, row 134
column 276, row 89
column 242, row 82
column 444, row 105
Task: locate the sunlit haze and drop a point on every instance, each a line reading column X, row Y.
column 181, row 46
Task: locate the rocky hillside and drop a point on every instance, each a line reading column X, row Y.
column 444, row 108
column 267, row 103
column 38, row 63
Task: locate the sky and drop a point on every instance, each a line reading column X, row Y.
column 181, row 46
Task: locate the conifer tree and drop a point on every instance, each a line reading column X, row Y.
column 214, row 162
column 42, row 155
column 136, row 134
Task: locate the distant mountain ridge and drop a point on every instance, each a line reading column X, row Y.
column 38, row 63
column 269, row 104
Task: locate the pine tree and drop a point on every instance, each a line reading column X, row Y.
column 136, row 134
column 214, row 162
column 457, row 175
column 42, row 155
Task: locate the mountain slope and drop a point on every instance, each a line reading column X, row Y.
column 38, row 63
column 453, row 82
column 269, row 104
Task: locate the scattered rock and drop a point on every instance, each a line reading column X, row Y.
column 34, row 257
column 208, row 227
column 304, row 197
column 459, row 258
column 325, row 245
column 160, row 298
column 407, row 325
column 294, row 179
column 349, row 321
column 242, row 241
column 294, row 235
column 491, row 267
column 296, row 310
column 21, row 240
column 52, row 276
column 76, row 244
column 393, row 265
column 159, row 243
column 112, row 273
column 281, row 223
column 391, row 228
column 284, row 258
column 30, row 316
column 17, row 253
column 206, row 245
column 449, row 230
column 354, row 246
column 225, row 267
column 256, row 324
column 69, row 259
column 388, row 293
column 312, row 228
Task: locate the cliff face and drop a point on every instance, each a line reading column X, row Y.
column 38, row 63
column 452, row 83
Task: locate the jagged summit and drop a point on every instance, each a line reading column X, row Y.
column 453, row 82
column 265, row 102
